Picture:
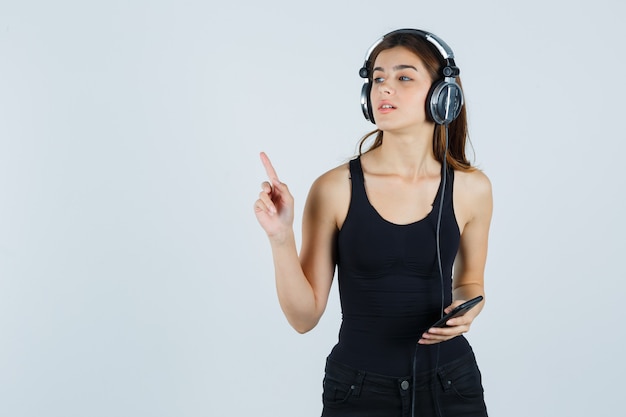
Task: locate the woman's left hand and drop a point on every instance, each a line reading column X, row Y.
column 455, row 327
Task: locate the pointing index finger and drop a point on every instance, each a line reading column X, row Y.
column 269, row 169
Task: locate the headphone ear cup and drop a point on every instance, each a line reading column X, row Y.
column 366, row 105
column 444, row 102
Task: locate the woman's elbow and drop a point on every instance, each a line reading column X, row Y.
column 303, row 326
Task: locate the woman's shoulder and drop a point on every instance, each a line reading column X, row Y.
column 330, row 192
column 474, row 182
column 335, row 178
column 472, row 195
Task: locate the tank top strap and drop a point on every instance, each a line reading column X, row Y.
column 447, row 192
column 449, row 184
column 358, row 181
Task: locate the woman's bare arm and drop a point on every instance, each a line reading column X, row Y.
column 302, row 282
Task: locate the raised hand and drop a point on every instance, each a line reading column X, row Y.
column 274, row 208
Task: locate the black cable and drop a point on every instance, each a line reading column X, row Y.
column 444, row 167
column 443, row 192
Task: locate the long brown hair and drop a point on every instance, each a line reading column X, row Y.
column 457, row 130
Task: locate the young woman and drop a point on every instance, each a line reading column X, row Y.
column 396, row 221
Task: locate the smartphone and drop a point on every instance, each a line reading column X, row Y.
column 458, row 311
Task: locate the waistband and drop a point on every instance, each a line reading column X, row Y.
column 423, row 379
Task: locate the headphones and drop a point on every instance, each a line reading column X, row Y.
column 445, row 98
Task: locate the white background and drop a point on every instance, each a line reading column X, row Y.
column 134, row 280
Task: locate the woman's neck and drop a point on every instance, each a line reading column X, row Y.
column 410, row 156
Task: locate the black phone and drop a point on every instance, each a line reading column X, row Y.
column 458, row 311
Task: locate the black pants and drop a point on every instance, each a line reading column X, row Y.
column 454, row 389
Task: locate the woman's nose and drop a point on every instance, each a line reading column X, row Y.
column 385, row 88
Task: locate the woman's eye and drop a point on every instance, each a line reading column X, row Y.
column 378, row 80
column 404, row 78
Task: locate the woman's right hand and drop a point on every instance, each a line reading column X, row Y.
column 274, row 208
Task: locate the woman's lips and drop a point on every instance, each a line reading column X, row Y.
column 385, row 107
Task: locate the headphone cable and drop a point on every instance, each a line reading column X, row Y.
column 444, row 168
column 443, row 193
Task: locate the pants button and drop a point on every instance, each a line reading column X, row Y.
column 404, row 385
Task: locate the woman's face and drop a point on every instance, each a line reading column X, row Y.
column 400, row 85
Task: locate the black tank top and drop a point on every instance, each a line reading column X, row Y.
column 390, row 286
